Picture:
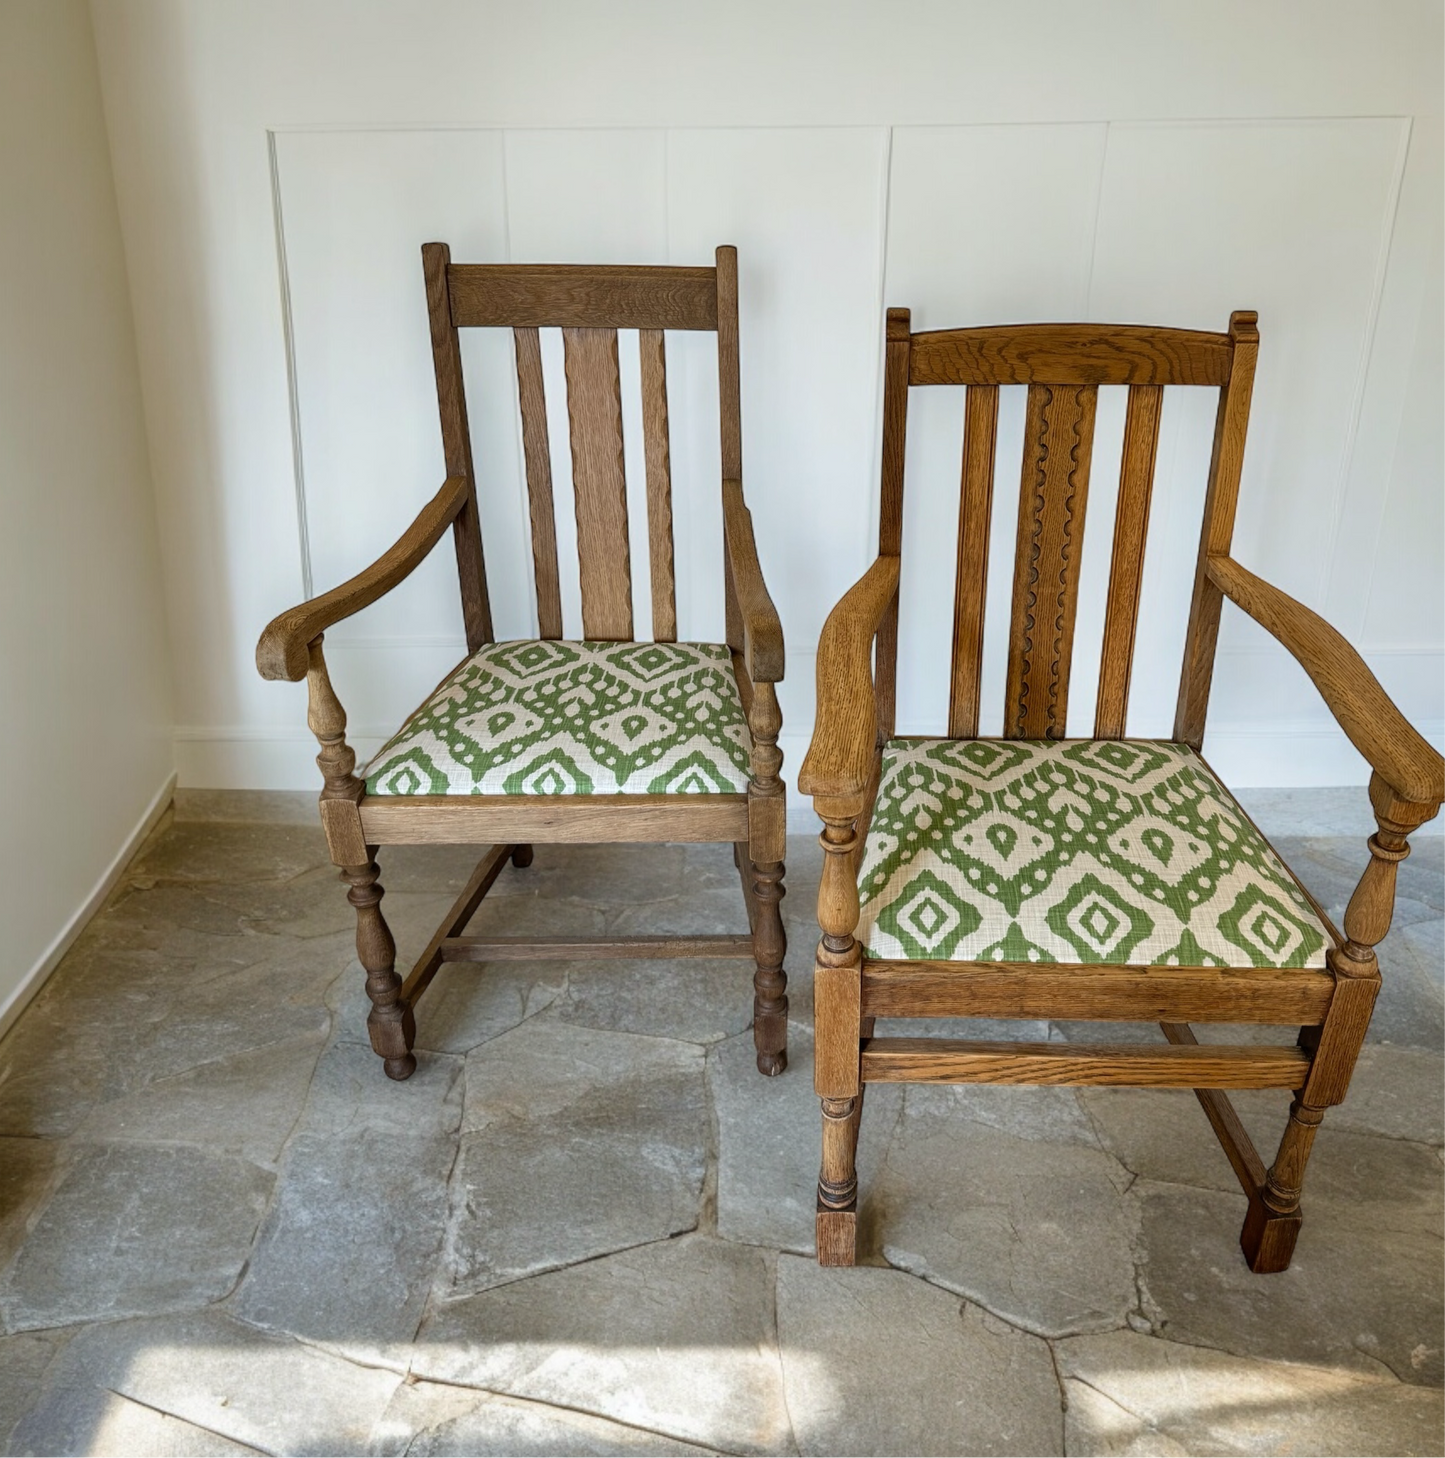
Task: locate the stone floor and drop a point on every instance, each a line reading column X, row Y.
column 585, row 1225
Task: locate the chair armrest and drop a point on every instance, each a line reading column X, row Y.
column 1394, row 748
column 281, row 653
column 839, row 762
column 762, row 632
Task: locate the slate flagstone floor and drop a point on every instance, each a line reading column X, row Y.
column 585, row 1225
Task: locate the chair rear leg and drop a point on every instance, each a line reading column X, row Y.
column 390, row 1023
column 770, row 982
column 521, row 856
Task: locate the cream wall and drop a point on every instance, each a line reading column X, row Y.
column 278, row 164
column 86, row 701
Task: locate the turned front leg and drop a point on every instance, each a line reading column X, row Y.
column 767, row 840
column 391, row 1022
column 1272, row 1227
column 837, row 1003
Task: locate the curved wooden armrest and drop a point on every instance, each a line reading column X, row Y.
column 281, row 653
column 839, row 762
column 762, row 632
column 1391, row 744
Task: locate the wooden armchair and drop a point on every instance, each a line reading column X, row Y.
column 1108, row 879
column 603, row 740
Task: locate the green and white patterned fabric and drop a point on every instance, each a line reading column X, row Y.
column 1072, row 851
column 537, row 717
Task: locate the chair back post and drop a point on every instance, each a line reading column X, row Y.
column 1217, row 530
column 457, row 445
column 897, row 359
column 729, row 379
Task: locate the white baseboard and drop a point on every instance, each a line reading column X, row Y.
column 49, row 959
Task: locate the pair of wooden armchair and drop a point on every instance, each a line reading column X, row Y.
column 1023, row 877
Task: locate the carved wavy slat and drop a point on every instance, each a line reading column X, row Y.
column 1053, row 493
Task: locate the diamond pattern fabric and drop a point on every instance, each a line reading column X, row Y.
column 538, row 717
column 1072, row 851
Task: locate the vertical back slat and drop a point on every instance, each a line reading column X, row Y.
column 1126, row 568
column 533, row 398
column 457, row 445
column 653, row 354
column 897, row 351
column 1217, row 530
column 975, row 511
column 1053, row 494
column 599, row 481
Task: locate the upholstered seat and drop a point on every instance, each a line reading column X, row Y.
column 545, row 717
column 1127, row 852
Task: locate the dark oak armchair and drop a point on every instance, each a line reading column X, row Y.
column 604, row 739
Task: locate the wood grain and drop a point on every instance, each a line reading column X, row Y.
column 1121, row 1065
column 1216, row 532
column 561, row 296
column 1053, row 495
column 652, row 353
column 1393, row 747
column 543, row 949
column 1070, row 354
column 599, row 482
column 1126, row 565
column 975, row 512
column 532, row 397
column 897, row 352
column 457, row 445
column 839, row 762
column 573, row 819
column 762, row 632
column 1105, row 993
column 282, row 649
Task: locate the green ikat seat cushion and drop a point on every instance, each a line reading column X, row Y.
column 537, row 717
column 1107, row 851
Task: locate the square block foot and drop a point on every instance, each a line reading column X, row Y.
column 837, row 1236
column 1268, row 1239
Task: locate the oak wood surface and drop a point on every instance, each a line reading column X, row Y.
column 599, row 481
column 762, row 631
column 457, row 445
column 573, row 819
column 652, row 355
column 840, row 758
column 1105, row 993
column 532, row 397
column 282, row 649
column 1216, row 531
column 975, row 512
column 1126, row 568
column 1053, row 495
column 561, row 296
column 896, row 355
column 1394, row 748
column 541, row 949
column 1069, row 354
column 1128, row 1065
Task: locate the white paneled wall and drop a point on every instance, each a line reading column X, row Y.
column 952, row 159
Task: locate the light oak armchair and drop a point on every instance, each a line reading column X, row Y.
column 1033, row 877
column 603, row 739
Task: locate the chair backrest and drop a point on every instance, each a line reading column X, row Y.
column 1063, row 366
column 589, row 305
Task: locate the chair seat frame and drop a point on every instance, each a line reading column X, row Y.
column 589, row 304
column 856, row 666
